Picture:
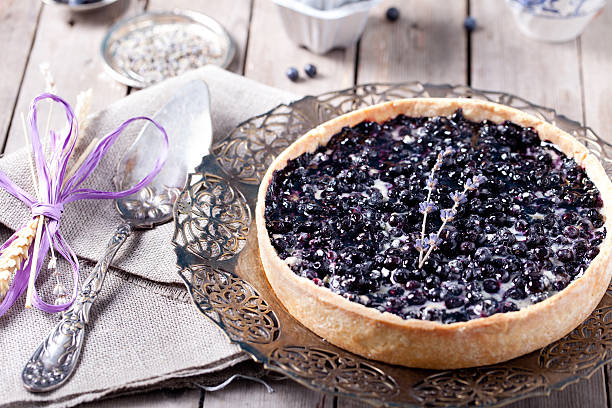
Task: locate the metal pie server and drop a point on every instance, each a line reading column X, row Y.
column 186, row 119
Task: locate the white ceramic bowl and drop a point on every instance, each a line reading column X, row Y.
column 322, row 30
column 554, row 20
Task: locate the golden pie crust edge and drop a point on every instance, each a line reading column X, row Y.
column 425, row 344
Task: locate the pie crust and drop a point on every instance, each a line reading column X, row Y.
column 426, row 344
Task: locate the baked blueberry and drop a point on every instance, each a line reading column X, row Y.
column 411, row 218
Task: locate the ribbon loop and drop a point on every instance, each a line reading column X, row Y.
column 57, row 191
column 51, row 211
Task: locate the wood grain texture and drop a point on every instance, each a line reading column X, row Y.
column 233, row 15
column 596, row 50
column 249, row 394
column 18, row 20
column 70, row 43
column 424, row 44
column 596, row 63
column 581, row 395
column 271, row 52
column 505, row 60
column 351, row 403
column 185, row 398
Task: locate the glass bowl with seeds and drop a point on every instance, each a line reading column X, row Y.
column 151, row 47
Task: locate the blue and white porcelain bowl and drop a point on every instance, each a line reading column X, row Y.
column 554, row 20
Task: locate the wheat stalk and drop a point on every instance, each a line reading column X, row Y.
column 48, row 77
column 14, row 256
column 49, row 88
column 83, row 106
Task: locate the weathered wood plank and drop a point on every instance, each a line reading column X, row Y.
column 504, row 59
column 233, row 15
column 70, row 43
column 583, row 394
column 351, row 403
column 18, row 20
column 271, row 52
column 249, row 394
column 424, row 44
column 597, row 62
column 185, row 398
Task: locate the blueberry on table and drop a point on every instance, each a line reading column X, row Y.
column 310, row 70
column 292, row 73
column 469, row 23
column 392, row 14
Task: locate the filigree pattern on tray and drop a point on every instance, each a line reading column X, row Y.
column 333, row 372
column 212, row 218
column 479, row 386
column 584, row 347
column 252, row 316
column 250, row 149
column 234, row 305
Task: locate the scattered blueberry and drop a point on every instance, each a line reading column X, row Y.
column 392, row 14
column 470, row 23
column 310, row 70
column 292, row 73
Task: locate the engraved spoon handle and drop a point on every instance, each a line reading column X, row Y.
column 55, row 359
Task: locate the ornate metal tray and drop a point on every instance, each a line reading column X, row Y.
column 217, row 251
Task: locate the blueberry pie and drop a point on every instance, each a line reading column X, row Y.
column 437, row 233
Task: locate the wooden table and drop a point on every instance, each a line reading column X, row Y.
column 428, row 43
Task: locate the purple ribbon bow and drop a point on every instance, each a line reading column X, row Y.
column 55, row 193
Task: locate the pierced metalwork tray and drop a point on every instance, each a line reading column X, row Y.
column 217, row 252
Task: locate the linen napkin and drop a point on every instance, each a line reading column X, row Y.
column 144, row 331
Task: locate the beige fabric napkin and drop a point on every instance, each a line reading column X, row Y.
column 144, row 330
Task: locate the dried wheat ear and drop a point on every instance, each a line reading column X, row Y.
column 14, row 256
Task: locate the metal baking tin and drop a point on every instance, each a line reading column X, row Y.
column 218, row 258
column 125, row 27
column 322, row 30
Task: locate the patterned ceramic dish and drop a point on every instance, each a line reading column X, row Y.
column 215, row 239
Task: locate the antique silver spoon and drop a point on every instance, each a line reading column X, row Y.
column 186, row 119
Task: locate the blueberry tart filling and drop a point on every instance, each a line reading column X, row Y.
column 436, row 218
